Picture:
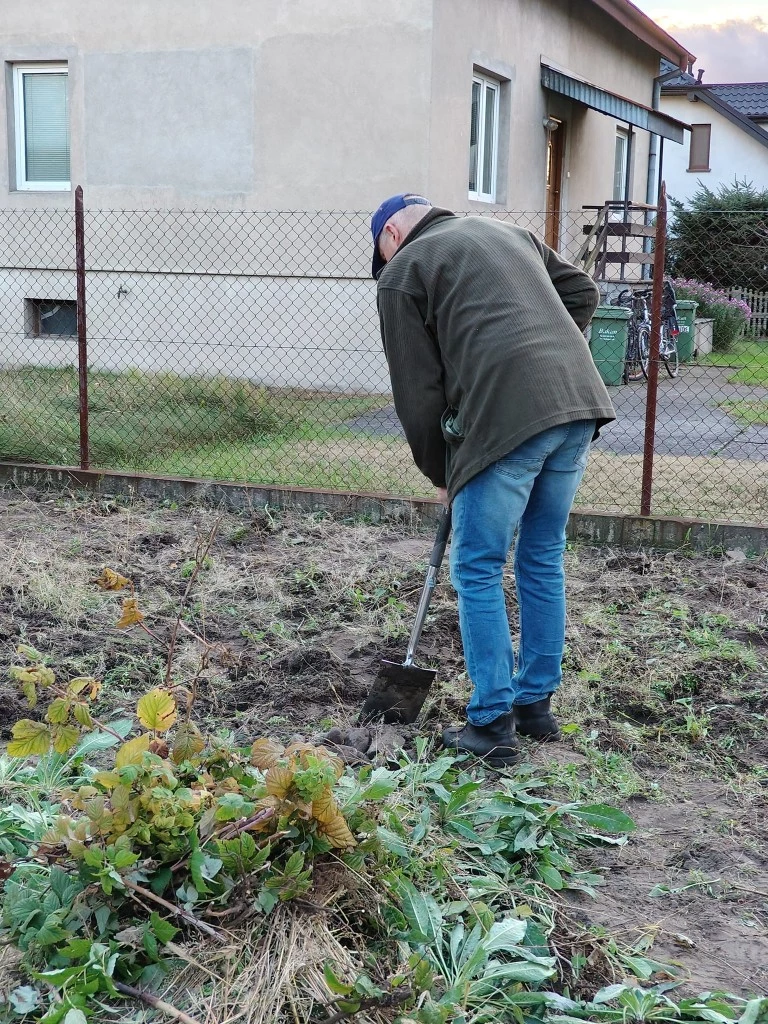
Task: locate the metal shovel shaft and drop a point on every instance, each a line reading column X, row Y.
column 399, row 691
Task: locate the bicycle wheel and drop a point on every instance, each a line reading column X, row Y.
column 632, row 368
column 644, row 348
column 669, row 351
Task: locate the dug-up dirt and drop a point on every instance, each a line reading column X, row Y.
column 664, row 699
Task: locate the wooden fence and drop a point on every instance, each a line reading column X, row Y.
column 758, row 303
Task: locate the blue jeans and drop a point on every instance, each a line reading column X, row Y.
column 530, row 490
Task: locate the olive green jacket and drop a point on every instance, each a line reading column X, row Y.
column 482, row 327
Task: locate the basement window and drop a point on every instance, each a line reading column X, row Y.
column 46, row 317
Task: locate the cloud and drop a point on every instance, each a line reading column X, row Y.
column 735, row 51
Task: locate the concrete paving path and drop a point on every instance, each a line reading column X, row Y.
column 689, row 420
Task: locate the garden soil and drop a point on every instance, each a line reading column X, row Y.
column 665, row 693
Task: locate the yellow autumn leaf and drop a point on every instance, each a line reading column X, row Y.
column 131, row 614
column 132, row 751
column 337, row 833
column 278, row 780
column 82, row 796
column 107, row 779
column 266, row 752
column 64, row 737
column 29, row 738
column 111, row 580
column 76, row 686
column 298, row 751
column 323, row 754
column 30, row 653
column 157, row 710
column 33, row 674
column 95, row 689
column 30, row 692
column 325, row 808
column 83, row 716
column 187, row 742
column 58, row 711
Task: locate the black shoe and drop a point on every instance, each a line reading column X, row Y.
column 536, row 720
column 495, row 743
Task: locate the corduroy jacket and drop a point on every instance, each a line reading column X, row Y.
column 481, row 322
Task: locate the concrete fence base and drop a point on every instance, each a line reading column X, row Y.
column 597, row 528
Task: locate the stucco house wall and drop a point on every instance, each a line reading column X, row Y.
column 733, row 153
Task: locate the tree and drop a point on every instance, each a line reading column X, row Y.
column 722, row 238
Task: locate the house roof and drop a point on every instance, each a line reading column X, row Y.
column 646, row 29
column 706, row 94
column 749, row 98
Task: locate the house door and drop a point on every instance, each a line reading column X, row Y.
column 555, row 165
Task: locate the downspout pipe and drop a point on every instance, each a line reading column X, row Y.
column 653, row 149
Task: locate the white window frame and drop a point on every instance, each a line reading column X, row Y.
column 486, row 82
column 22, row 185
column 623, row 134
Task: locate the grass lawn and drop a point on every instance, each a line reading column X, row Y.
column 748, row 410
column 226, row 429
column 749, row 357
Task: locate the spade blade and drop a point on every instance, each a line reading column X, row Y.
column 398, row 693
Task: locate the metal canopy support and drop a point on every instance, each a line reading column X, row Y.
column 614, row 106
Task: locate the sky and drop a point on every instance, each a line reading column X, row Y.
column 730, row 40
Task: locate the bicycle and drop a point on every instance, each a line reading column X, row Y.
column 638, row 353
column 639, row 334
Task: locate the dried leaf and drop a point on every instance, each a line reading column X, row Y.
column 131, row 614
column 157, row 710
column 132, row 751
column 323, row 754
column 64, row 737
column 76, row 686
column 29, row 738
column 299, row 750
column 111, row 580
column 278, row 780
column 325, row 808
column 159, row 747
column 265, row 753
column 187, row 742
column 337, row 833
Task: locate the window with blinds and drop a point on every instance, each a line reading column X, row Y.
column 41, row 106
column 483, row 138
column 701, row 136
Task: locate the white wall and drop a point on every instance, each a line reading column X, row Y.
column 733, row 153
column 317, row 334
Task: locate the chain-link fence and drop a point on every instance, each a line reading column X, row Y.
column 245, row 346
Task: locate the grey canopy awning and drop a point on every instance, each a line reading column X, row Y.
column 614, row 106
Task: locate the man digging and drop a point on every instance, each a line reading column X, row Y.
column 496, row 390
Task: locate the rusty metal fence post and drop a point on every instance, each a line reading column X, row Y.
column 82, row 336
column 649, row 441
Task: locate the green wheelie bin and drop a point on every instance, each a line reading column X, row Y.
column 686, row 317
column 608, row 342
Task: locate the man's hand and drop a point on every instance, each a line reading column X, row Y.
column 442, row 495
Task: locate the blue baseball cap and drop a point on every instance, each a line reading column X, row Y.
column 387, row 209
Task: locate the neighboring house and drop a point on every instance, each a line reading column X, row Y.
column 483, row 105
column 729, row 133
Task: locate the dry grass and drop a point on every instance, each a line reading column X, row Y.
column 664, row 684
column 686, row 486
